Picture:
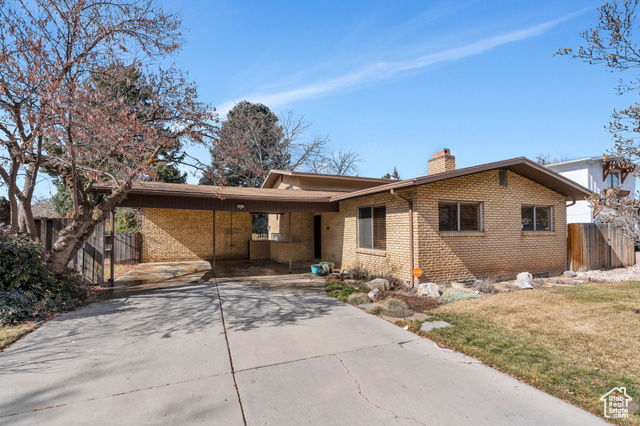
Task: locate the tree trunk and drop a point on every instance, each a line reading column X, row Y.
column 27, row 223
column 69, row 242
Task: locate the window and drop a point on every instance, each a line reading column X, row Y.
column 372, row 227
column 460, row 217
column 502, row 177
column 536, row 218
column 613, row 180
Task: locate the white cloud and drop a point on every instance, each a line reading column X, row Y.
column 385, row 70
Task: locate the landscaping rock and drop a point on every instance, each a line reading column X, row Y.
column 373, row 293
column 378, row 283
column 569, row 274
column 525, row 276
column 428, row 326
column 524, row 284
column 351, row 282
column 428, row 289
column 346, row 273
column 463, row 284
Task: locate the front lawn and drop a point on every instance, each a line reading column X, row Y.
column 11, row 333
column 576, row 343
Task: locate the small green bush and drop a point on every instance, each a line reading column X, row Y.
column 28, row 289
column 456, row 294
column 340, row 290
column 358, row 298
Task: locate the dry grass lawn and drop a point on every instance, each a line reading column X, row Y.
column 11, row 333
column 576, row 343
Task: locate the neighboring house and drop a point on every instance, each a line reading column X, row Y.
column 596, row 174
column 495, row 219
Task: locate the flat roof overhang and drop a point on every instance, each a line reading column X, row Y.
column 200, row 197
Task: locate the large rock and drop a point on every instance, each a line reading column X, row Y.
column 524, row 276
column 428, row 289
column 569, row 274
column 378, row 283
column 373, row 293
column 524, row 284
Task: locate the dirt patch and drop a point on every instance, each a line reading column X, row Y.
column 418, row 303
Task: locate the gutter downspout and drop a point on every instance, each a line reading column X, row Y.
column 572, row 203
column 411, row 264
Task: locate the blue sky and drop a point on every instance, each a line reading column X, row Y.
column 398, row 81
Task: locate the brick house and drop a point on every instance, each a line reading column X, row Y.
column 495, row 219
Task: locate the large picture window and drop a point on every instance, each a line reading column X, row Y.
column 372, row 227
column 537, row 218
column 460, row 216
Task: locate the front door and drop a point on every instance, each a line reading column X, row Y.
column 317, row 237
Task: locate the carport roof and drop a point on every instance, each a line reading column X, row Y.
column 223, row 192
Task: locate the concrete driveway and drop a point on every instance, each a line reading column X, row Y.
column 277, row 351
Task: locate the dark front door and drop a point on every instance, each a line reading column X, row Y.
column 317, row 237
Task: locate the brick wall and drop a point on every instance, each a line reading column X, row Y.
column 501, row 250
column 259, row 250
column 443, row 163
column 174, row 235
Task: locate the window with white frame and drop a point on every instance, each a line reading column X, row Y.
column 372, row 227
column 537, row 218
column 456, row 216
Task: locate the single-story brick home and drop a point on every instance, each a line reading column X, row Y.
column 495, row 219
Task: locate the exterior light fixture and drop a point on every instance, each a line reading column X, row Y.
column 240, row 206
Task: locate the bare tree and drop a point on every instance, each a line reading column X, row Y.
column 336, row 163
column 53, row 55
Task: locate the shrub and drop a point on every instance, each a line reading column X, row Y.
column 358, row 298
column 28, row 290
column 412, row 325
column 340, row 290
column 394, row 282
column 487, row 285
column 358, row 273
column 455, row 295
column 390, row 307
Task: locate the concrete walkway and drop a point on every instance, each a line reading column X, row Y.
column 165, row 356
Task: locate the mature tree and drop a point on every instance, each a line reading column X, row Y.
column 336, row 163
column 55, row 112
column 267, row 142
column 393, row 176
column 613, row 42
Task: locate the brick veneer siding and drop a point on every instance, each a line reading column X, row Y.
column 174, row 235
column 443, row 163
column 259, row 250
column 501, row 250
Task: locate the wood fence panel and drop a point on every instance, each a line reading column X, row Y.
column 598, row 246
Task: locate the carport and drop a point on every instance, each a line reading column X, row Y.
column 216, row 199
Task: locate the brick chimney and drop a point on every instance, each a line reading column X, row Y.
column 442, row 162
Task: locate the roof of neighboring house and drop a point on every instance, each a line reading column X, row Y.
column 273, row 176
column 599, row 158
column 520, row 165
column 236, row 193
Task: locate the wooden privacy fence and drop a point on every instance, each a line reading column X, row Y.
column 89, row 261
column 128, row 247
column 598, row 246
